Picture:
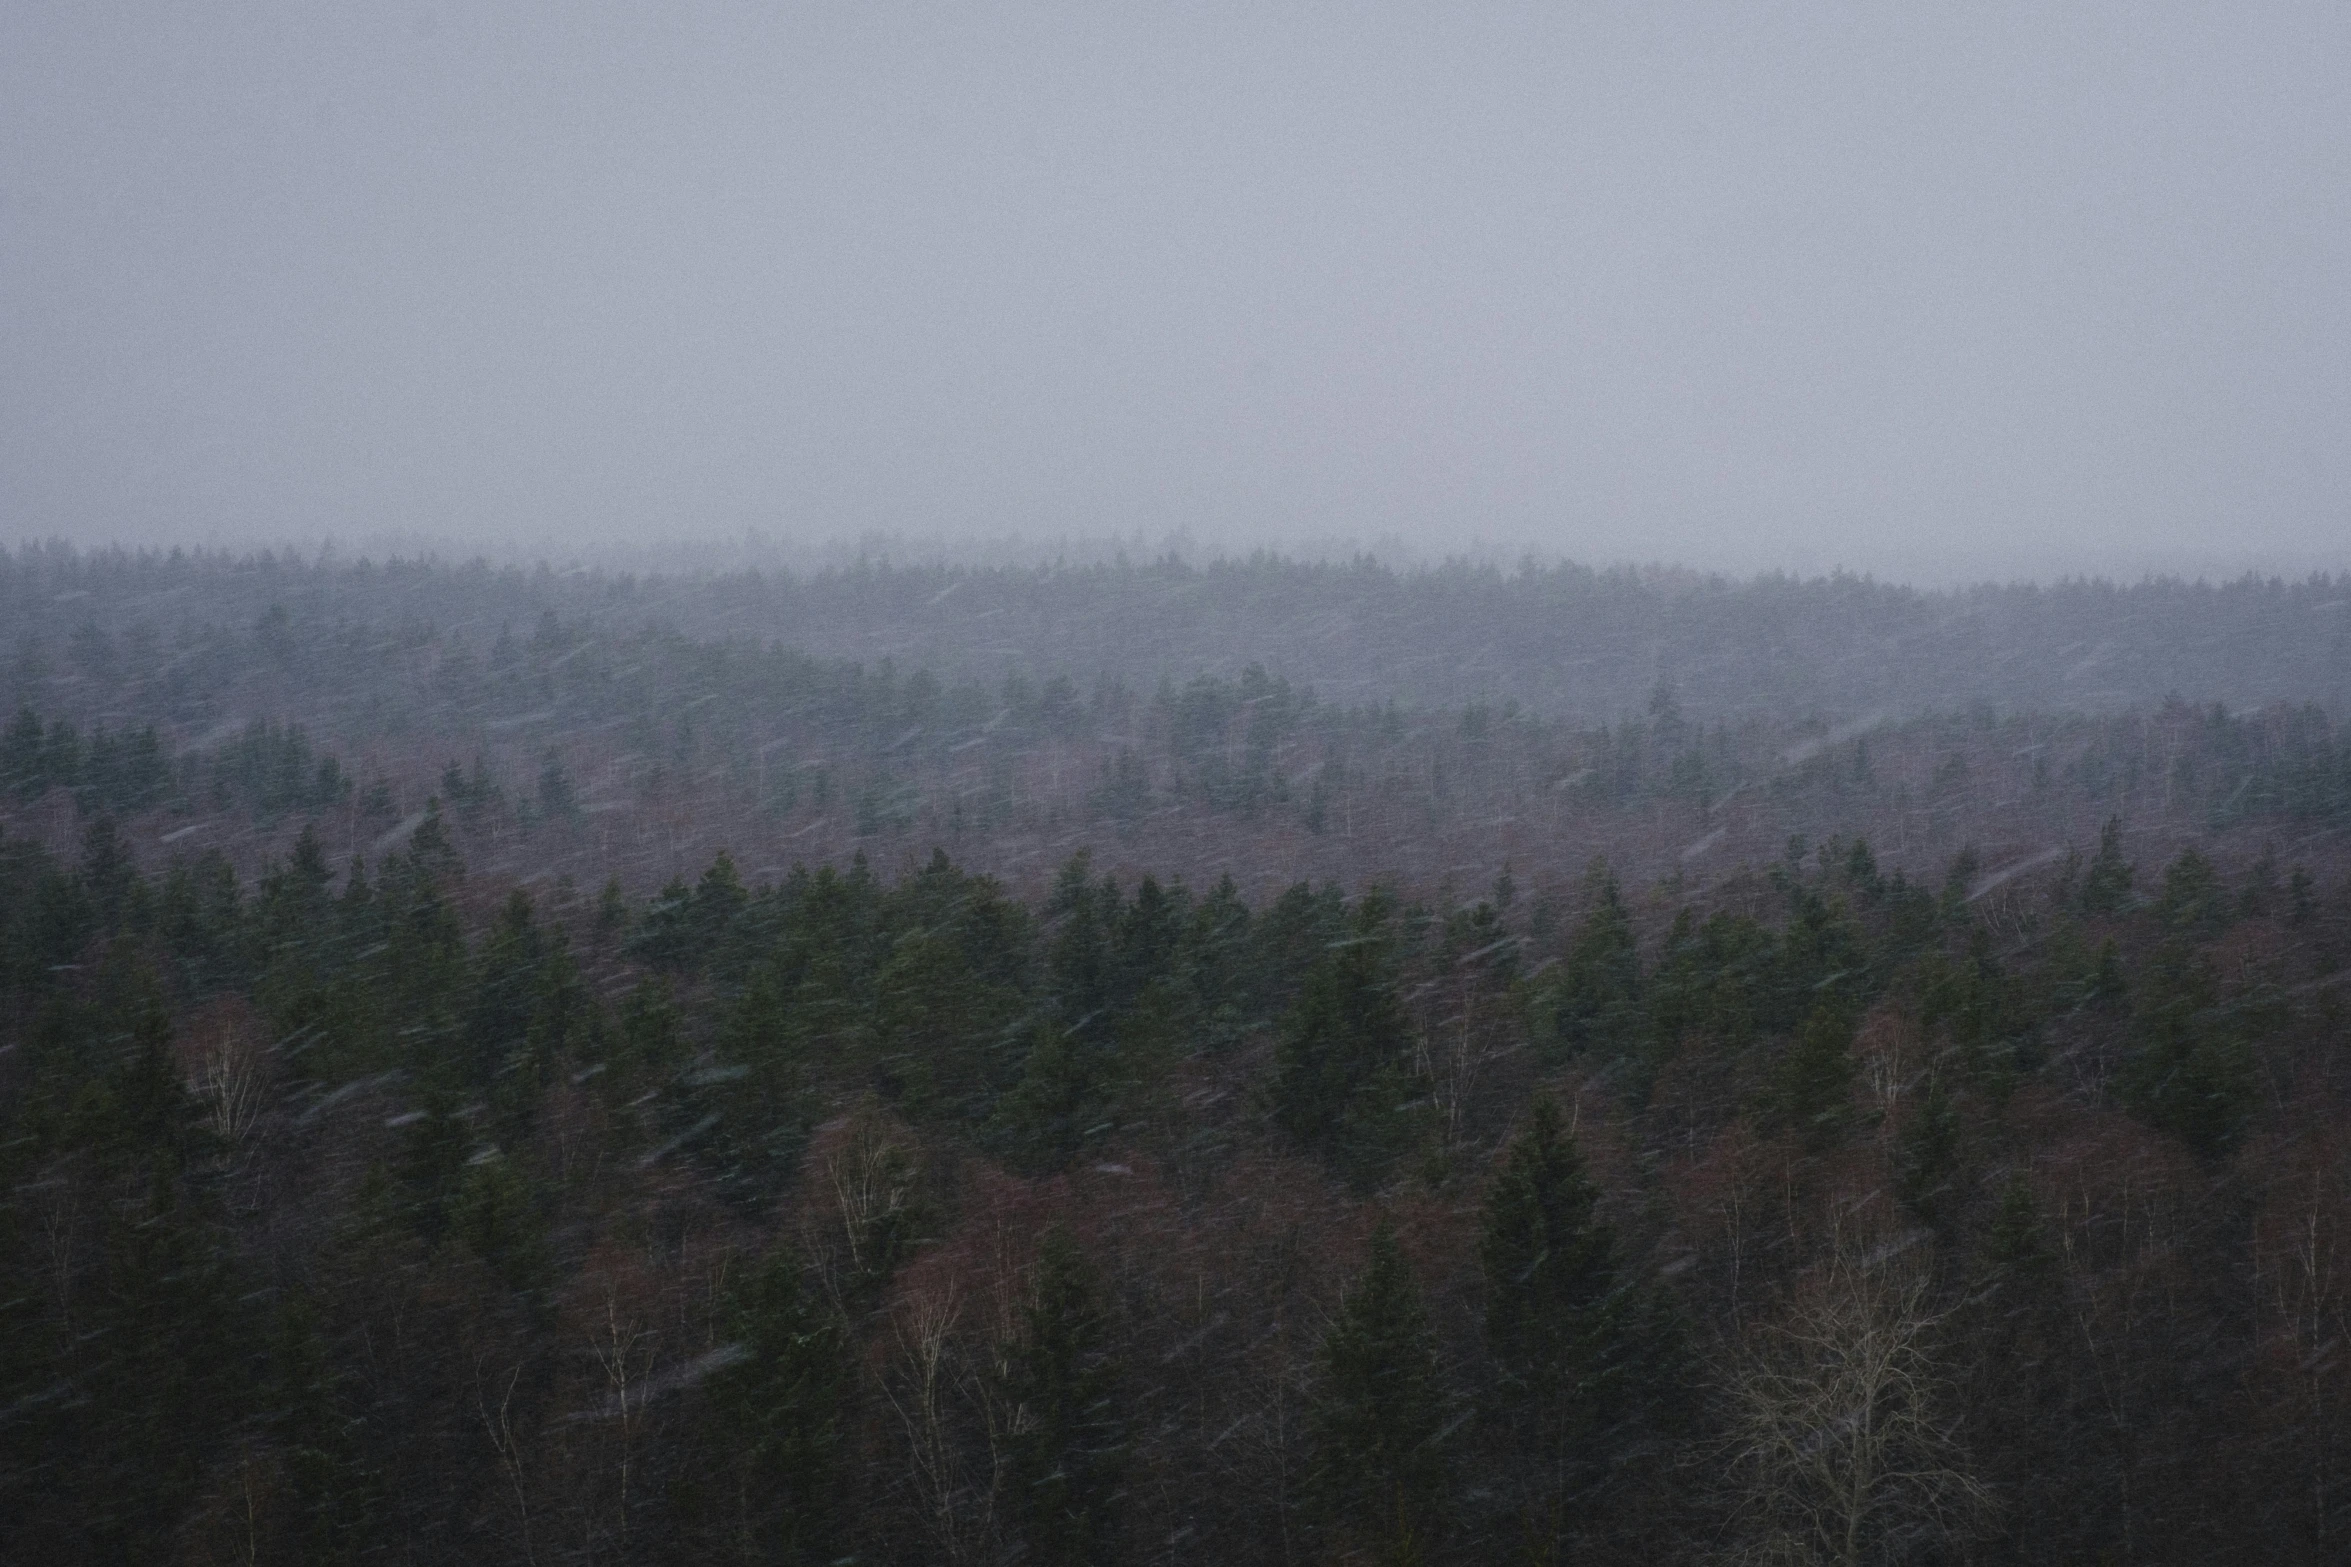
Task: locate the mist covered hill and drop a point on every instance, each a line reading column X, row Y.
column 1564, row 641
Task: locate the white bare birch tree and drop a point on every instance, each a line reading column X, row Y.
column 1840, row 1448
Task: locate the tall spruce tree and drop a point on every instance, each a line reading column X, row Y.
column 2191, row 1070
column 2193, row 901
column 775, row 1424
column 2106, row 887
column 1812, row 1085
column 1379, row 1413
column 1566, row 1334
column 1340, row 1069
column 1068, row 1443
column 1597, row 1003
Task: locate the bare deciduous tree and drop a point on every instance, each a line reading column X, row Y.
column 922, row 1388
column 1839, row 1444
column 231, row 1082
column 2305, row 1303
column 624, row 1350
column 498, row 1426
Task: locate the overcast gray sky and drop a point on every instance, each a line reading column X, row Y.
column 1905, row 287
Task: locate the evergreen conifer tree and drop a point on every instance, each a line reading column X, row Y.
column 1927, row 1158
column 1598, row 999
column 1340, row 1067
column 1068, row 1440
column 1379, row 1413
column 331, row 1502
column 1061, row 1100
column 758, row 1092
column 776, row 1413
column 2193, row 901
column 2106, row 886
column 1571, row 1344
column 1812, row 1087
column 2191, row 1071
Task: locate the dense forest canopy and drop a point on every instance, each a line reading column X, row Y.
column 514, row 1067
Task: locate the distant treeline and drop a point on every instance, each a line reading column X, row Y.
column 1560, row 641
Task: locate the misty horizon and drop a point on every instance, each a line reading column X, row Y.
column 695, row 557
column 1930, row 298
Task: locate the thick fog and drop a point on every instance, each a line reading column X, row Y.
column 1927, row 291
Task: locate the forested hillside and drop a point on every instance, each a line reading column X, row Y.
column 582, row 1090
column 1562, row 641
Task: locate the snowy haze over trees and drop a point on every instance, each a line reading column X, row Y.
column 1300, row 785
column 1258, row 1061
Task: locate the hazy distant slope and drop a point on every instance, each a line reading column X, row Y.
column 1565, row 640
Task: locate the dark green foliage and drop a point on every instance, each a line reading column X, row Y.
column 108, row 878
column 430, row 852
column 2193, row 901
column 647, row 1047
column 2024, row 1420
column 687, row 930
column 1216, row 957
column 1379, row 1414
column 273, row 769
column 112, row 773
column 1715, row 977
column 1860, row 870
column 2106, row 887
column 950, row 991
column 2016, row 1251
column 748, row 1111
column 1812, row 1085
column 201, row 919
column 1958, row 877
column 1732, row 977
column 1927, row 1157
column 2107, row 982
column 167, row 1384
column 1822, row 955
column 612, row 912
column 23, row 767
column 1549, row 1264
column 1597, row 999
column 1080, row 958
column 774, row 1423
column 1341, row 1070
column 499, row 1214
column 473, row 793
column 435, row 1145
column 1063, row 1101
column 1067, row 1437
column 505, row 994
column 1125, row 791
column 1209, row 714
column 1576, row 1352
column 472, row 1134
column 1970, row 1005
column 1286, row 942
column 2190, row 1071
column 124, row 1356
column 333, row 1509
column 1911, row 916
column 1476, row 949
